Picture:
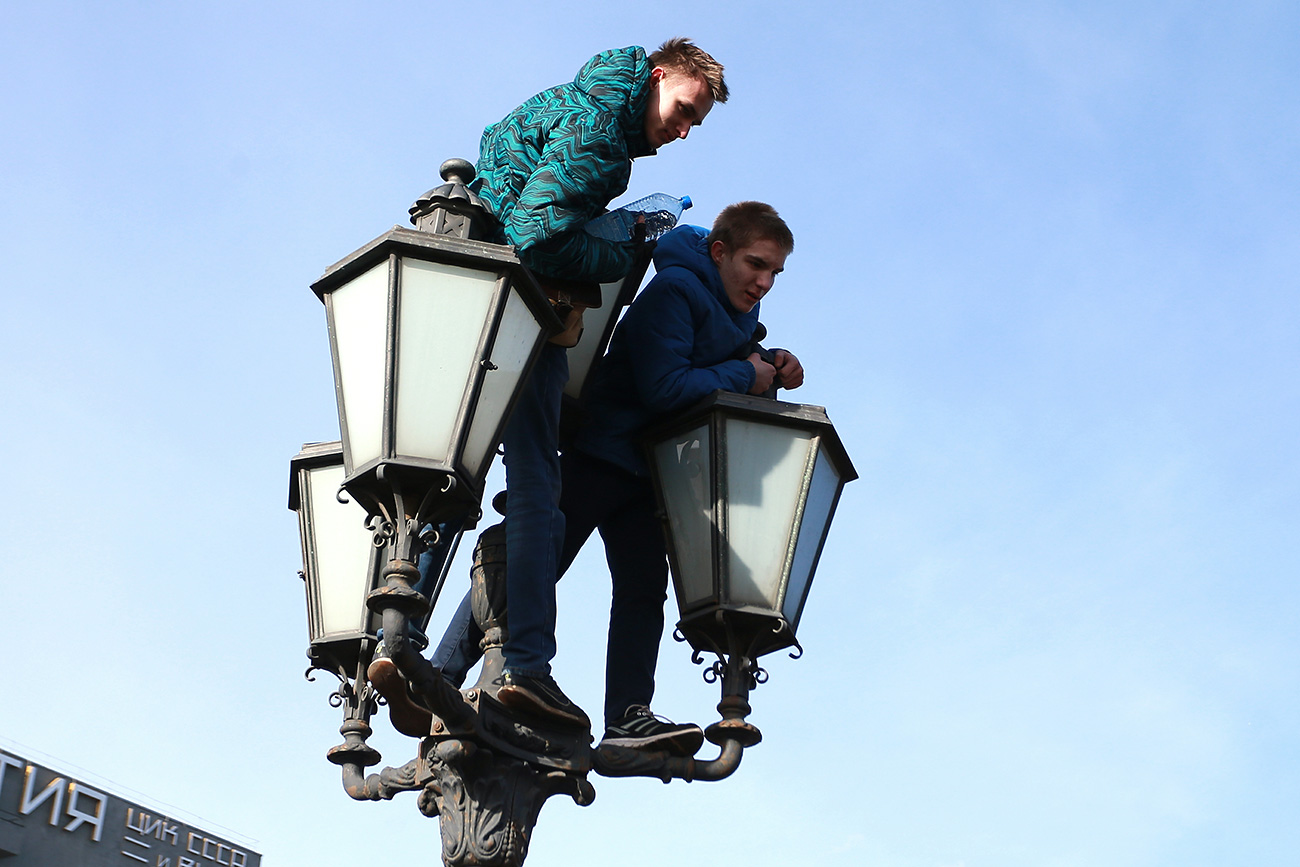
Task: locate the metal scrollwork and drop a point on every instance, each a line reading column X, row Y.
column 383, row 529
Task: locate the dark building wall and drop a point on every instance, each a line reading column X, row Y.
column 51, row 818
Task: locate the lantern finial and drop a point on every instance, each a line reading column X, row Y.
column 452, row 209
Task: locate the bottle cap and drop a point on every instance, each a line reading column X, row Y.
column 686, row 202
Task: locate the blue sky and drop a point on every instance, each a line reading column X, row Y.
column 1044, row 283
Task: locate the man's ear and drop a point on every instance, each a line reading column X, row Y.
column 656, row 75
column 716, row 251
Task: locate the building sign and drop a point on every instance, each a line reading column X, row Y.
column 50, row 818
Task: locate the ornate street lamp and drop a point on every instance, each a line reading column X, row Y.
column 340, row 564
column 432, row 332
column 748, row 487
column 599, row 325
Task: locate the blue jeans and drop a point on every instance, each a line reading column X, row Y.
column 430, row 564
column 598, row 495
column 534, row 522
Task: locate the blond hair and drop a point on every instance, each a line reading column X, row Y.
column 681, row 55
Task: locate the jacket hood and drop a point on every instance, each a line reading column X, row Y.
column 687, row 247
column 619, row 80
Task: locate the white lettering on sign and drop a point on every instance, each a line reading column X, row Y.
column 213, row 850
column 79, row 817
column 53, row 789
column 87, row 806
column 152, row 826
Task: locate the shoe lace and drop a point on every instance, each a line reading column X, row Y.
column 640, row 710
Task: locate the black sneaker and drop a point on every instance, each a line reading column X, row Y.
column 642, row 730
column 539, row 695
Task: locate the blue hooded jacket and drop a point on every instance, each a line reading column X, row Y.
column 677, row 343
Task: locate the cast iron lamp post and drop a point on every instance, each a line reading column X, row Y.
column 432, row 334
column 747, row 487
column 341, row 565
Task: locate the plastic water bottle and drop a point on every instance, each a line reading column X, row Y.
column 661, row 212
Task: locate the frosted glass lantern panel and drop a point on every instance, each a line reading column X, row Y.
column 342, row 557
column 583, row 355
column 443, row 314
column 822, row 491
column 766, row 467
column 685, row 473
column 360, row 318
column 516, row 338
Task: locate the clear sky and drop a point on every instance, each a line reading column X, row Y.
column 1044, row 284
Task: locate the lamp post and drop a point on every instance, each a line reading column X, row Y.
column 341, row 565
column 748, row 487
column 432, row 334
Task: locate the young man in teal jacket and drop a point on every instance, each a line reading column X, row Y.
column 544, row 171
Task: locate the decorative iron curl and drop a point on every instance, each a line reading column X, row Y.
column 340, row 673
column 345, row 693
column 348, row 693
column 383, row 530
column 715, row 671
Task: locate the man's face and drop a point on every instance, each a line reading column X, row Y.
column 677, row 103
column 748, row 273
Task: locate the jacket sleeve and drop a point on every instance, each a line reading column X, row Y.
column 569, row 187
column 661, row 336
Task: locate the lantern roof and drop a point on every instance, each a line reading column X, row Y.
column 778, row 411
column 424, row 245
column 313, row 455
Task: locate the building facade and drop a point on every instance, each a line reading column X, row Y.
column 49, row 818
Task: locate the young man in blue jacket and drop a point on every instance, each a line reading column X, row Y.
column 688, row 334
column 544, row 171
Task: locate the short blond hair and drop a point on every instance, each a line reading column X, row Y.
column 681, row 55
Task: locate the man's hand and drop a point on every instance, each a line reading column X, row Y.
column 789, row 372
column 764, row 373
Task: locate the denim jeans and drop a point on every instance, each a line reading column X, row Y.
column 430, row 564
column 598, row 495
column 534, row 522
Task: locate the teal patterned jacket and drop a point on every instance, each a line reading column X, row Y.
column 557, row 161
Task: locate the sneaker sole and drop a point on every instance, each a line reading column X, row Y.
column 519, row 699
column 406, row 716
column 684, row 744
